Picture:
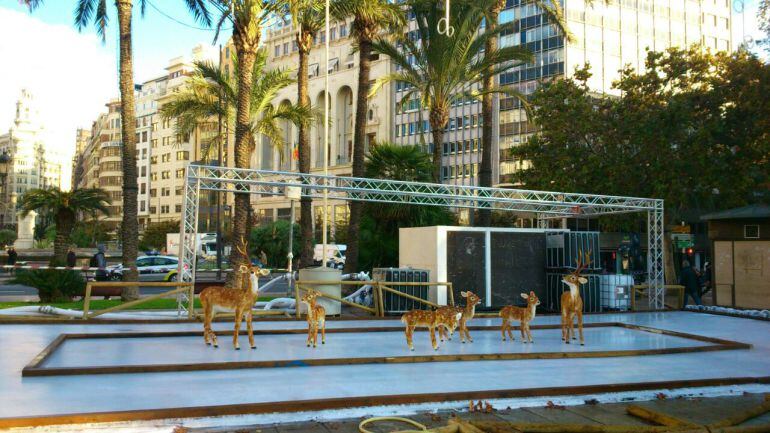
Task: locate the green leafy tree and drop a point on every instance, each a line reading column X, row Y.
column 370, row 19
column 91, row 234
column 154, row 236
column 7, row 237
column 443, row 69
column 63, row 207
column 381, row 221
column 273, row 240
column 691, row 129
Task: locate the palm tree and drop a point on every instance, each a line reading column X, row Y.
column 95, row 11
column 246, row 18
column 370, row 18
column 440, row 68
column 198, row 102
column 307, row 18
column 63, row 207
column 555, row 14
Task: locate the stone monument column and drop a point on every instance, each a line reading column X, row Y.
column 25, row 231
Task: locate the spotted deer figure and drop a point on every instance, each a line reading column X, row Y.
column 316, row 317
column 467, row 313
column 428, row 319
column 523, row 315
column 218, row 299
column 571, row 302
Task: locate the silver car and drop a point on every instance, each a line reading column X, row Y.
column 151, row 268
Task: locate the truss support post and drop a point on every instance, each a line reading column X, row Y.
column 188, row 236
column 655, row 259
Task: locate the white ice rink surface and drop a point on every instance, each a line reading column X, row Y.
column 35, row 396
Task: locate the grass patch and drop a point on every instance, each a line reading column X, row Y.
column 100, row 304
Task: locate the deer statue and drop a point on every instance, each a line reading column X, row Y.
column 431, row 320
column 523, row 315
column 316, row 316
column 571, row 302
column 467, row 312
column 218, row 299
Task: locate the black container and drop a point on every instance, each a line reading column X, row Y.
column 563, row 249
column 399, row 304
column 590, row 292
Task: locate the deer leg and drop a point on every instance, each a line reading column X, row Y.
column 433, row 337
column 572, row 325
column 250, row 328
column 564, row 332
column 408, row 331
column 309, row 333
column 238, row 319
column 212, row 334
column 467, row 333
column 462, row 330
column 529, row 333
column 323, row 330
column 580, row 327
column 206, row 324
column 503, row 327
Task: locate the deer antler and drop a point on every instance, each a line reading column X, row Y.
column 582, row 261
column 243, row 248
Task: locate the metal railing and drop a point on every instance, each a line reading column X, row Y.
column 181, row 287
column 378, row 288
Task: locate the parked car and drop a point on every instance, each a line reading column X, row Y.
column 151, row 268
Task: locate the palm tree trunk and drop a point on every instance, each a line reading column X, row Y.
column 243, row 146
column 359, row 151
column 65, row 221
column 306, row 203
column 438, row 118
column 130, row 224
column 485, row 169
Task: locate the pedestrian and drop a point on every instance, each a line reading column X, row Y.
column 99, row 261
column 72, row 258
column 12, row 256
column 706, row 278
column 689, row 279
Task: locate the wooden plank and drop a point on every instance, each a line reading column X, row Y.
column 408, row 296
column 335, row 298
column 560, row 416
column 657, row 417
column 38, row 360
column 126, row 305
column 608, row 414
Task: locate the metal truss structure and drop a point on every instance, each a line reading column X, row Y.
column 544, row 204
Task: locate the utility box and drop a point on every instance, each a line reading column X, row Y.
column 498, row 264
column 392, row 276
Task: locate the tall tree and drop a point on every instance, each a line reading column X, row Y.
column 246, row 18
column 63, row 208
column 307, row 19
column 370, row 18
column 554, row 13
column 95, row 11
column 441, row 69
column 198, row 102
column 691, row 129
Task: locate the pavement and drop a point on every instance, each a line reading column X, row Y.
column 221, row 391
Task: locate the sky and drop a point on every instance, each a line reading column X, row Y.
column 73, row 74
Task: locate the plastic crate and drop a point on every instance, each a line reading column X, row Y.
column 399, row 304
column 590, row 292
column 563, row 249
column 616, row 291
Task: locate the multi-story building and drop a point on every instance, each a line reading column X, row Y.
column 33, row 164
column 342, row 67
column 82, row 140
column 606, row 36
column 162, row 154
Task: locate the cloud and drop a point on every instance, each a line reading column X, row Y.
column 71, row 76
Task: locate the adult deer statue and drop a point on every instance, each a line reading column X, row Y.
column 571, row 302
column 218, row 299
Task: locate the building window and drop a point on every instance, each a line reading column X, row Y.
column 277, row 51
column 343, row 30
column 751, row 231
column 180, row 173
